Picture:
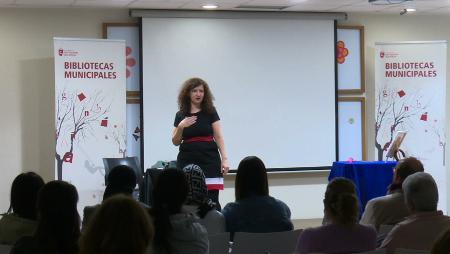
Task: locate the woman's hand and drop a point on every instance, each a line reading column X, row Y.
column 225, row 167
column 187, row 121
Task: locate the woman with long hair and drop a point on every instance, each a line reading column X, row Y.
column 199, row 134
column 21, row 218
column 120, row 225
column 343, row 234
column 175, row 231
column 254, row 209
column 58, row 226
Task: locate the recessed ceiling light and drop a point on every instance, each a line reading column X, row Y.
column 210, row 6
column 407, row 10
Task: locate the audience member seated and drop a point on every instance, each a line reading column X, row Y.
column 21, row 218
column 442, row 245
column 391, row 209
column 199, row 203
column 254, row 211
column 120, row 225
column 175, row 231
column 421, row 229
column 342, row 234
column 121, row 180
column 58, row 226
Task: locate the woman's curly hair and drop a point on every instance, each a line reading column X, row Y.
column 184, row 97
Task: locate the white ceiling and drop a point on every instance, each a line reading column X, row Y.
column 361, row 6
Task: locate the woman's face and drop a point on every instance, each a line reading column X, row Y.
column 197, row 95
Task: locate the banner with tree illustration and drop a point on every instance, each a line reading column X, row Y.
column 410, row 80
column 90, row 111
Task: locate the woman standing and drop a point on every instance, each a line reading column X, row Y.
column 199, row 135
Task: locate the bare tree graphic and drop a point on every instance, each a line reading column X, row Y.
column 76, row 114
column 395, row 108
column 120, row 136
column 438, row 131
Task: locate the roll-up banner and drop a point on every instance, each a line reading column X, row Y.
column 90, row 111
column 410, row 80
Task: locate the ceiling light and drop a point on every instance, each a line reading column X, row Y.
column 387, row 2
column 407, row 10
column 210, row 6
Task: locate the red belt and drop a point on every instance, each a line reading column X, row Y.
column 199, row 139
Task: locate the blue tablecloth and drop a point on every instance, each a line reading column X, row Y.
column 371, row 178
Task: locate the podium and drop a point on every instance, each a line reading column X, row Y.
column 371, row 178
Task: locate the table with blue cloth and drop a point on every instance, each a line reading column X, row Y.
column 371, row 178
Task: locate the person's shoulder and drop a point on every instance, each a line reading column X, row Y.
column 26, row 244
column 281, row 203
column 187, row 225
column 375, row 203
column 90, row 210
column 390, row 200
column 367, row 229
column 211, row 113
column 400, row 228
column 230, row 208
column 180, row 114
column 214, row 214
column 230, row 205
column 14, row 220
column 312, row 231
column 379, row 200
column 7, row 219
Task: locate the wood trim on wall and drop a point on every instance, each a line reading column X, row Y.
column 362, row 58
column 133, row 97
column 133, row 94
column 363, row 121
column 133, row 101
column 106, row 25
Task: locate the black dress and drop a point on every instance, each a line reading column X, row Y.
column 198, row 147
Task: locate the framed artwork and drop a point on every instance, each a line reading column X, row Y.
column 130, row 33
column 350, row 59
column 352, row 129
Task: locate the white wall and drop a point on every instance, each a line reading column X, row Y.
column 27, row 94
column 27, row 84
column 387, row 28
column 301, row 191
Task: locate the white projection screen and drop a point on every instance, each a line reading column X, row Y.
column 273, row 82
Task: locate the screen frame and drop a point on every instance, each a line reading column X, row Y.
column 166, row 14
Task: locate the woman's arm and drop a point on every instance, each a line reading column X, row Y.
column 217, row 130
column 177, row 133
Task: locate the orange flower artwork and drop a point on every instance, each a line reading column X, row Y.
column 130, row 61
column 342, row 52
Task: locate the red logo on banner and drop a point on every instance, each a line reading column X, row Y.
column 401, row 93
column 81, row 96
column 424, row 116
column 60, row 52
column 104, row 122
column 382, row 54
column 68, row 157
